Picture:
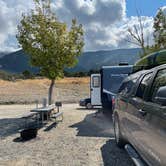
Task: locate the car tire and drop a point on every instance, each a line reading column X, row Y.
column 89, row 106
column 117, row 131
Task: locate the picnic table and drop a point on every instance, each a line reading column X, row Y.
column 30, row 131
column 44, row 110
column 29, row 115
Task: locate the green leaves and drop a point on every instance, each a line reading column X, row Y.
column 159, row 34
column 48, row 42
column 160, row 30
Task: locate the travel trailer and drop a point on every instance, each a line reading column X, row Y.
column 105, row 85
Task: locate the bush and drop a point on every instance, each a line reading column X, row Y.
column 27, row 74
column 80, row 74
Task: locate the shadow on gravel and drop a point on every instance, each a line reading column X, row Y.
column 51, row 126
column 114, row 156
column 105, row 112
column 91, row 126
column 20, row 140
column 10, row 126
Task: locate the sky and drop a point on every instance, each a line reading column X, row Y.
column 105, row 22
column 145, row 7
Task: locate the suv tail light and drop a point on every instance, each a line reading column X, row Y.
column 113, row 100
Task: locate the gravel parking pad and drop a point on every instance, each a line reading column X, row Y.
column 81, row 139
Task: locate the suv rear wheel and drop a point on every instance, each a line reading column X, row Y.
column 89, row 106
column 118, row 136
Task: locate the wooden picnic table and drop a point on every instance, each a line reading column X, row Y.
column 28, row 116
column 44, row 110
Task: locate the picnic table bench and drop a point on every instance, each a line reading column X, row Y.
column 56, row 115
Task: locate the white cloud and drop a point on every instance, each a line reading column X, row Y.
column 104, row 21
column 112, row 37
column 105, row 11
column 10, row 14
column 164, row 9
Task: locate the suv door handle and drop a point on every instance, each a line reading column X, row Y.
column 143, row 113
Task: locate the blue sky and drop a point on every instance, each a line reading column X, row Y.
column 146, row 7
column 105, row 22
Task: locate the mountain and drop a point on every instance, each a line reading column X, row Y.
column 18, row 61
column 94, row 60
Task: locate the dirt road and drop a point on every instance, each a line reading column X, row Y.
column 80, row 140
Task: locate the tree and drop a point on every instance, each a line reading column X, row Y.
column 27, row 74
column 49, row 43
column 136, row 35
column 160, row 30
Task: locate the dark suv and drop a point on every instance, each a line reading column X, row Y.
column 140, row 115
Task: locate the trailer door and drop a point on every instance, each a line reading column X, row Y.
column 95, row 89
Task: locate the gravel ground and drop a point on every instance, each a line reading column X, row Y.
column 80, row 140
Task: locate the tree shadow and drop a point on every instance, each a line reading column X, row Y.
column 10, row 126
column 93, row 126
column 114, row 156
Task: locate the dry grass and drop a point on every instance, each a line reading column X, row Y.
column 70, row 80
column 28, row 91
column 75, row 80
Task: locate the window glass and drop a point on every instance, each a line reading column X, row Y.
column 161, row 58
column 159, row 81
column 127, row 86
column 96, row 81
column 115, row 82
column 150, row 61
column 143, row 85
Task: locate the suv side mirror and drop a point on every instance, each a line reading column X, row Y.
column 161, row 96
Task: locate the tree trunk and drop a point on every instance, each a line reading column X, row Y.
column 50, row 92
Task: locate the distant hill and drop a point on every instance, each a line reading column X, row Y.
column 94, row 60
column 18, row 61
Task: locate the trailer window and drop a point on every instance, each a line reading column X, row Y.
column 96, row 81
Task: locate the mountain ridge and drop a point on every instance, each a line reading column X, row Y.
column 18, row 61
